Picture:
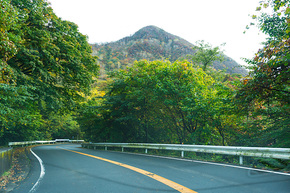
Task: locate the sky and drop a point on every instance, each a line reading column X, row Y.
column 214, row 21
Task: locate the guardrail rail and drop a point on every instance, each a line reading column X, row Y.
column 26, row 143
column 264, row 152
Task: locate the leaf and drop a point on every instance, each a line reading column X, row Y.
column 287, row 11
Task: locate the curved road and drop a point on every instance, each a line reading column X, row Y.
column 71, row 169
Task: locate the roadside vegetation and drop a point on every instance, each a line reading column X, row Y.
column 187, row 101
column 18, row 171
column 45, row 67
column 49, row 87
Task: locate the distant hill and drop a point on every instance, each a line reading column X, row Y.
column 152, row 43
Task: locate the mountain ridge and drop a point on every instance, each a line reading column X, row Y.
column 152, row 43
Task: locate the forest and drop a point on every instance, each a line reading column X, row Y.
column 50, row 87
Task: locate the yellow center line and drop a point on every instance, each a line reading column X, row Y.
column 165, row 181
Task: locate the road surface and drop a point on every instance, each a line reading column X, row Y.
column 72, row 169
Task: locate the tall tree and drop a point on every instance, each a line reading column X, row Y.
column 205, row 54
column 52, row 56
column 268, row 88
column 158, row 101
column 45, row 62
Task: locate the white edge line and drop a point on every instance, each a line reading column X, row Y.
column 42, row 172
column 204, row 162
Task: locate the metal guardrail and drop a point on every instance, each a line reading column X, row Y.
column 76, row 141
column 264, row 152
column 25, row 143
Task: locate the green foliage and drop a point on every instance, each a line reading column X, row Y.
column 8, row 22
column 63, row 126
column 53, row 56
column 47, row 71
column 162, row 102
column 205, row 55
column 168, row 101
column 45, row 63
column 266, row 93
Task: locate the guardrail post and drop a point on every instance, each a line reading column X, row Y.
column 122, row 149
column 182, row 154
column 106, row 148
column 146, row 150
column 241, row 160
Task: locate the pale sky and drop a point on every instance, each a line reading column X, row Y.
column 215, row 21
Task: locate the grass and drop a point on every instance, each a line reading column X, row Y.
column 6, row 173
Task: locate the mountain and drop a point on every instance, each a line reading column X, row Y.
column 152, row 43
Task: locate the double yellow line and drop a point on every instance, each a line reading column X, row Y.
column 165, row 181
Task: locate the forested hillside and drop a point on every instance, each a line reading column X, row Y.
column 152, row 43
column 50, row 85
column 45, row 67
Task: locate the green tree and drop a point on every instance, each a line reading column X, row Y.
column 52, row 56
column 157, row 101
column 225, row 122
column 8, row 23
column 46, row 63
column 205, row 54
column 15, row 100
column 266, row 94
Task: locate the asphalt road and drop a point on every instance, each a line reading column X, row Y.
column 71, row 169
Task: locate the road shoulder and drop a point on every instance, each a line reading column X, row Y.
column 19, row 170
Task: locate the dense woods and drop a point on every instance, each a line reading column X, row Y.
column 46, row 64
column 164, row 102
column 50, row 85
